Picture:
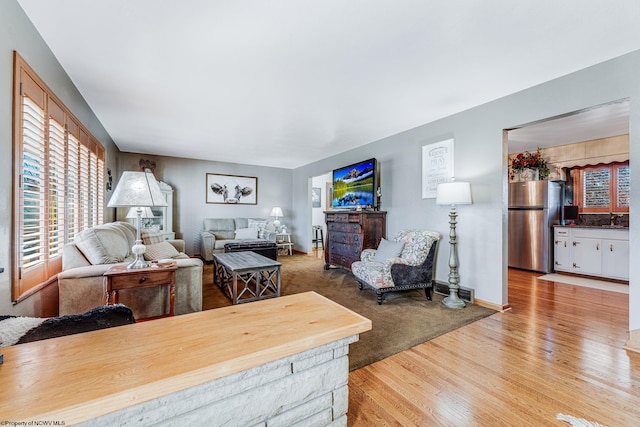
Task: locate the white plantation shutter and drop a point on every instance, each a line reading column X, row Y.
column 100, row 186
column 30, row 212
column 83, row 187
column 33, row 200
column 73, row 172
column 60, row 174
column 93, row 190
column 57, row 180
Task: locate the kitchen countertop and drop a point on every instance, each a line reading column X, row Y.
column 78, row 377
column 595, row 227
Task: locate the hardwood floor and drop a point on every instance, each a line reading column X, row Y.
column 558, row 350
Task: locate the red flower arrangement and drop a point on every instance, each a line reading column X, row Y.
column 529, row 160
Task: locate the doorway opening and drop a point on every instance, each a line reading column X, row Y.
column 320, row 199
column 572, row 143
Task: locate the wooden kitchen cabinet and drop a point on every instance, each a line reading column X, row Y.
column 615, row 259
column 587, row 257
column 561, row 250
column 594, row 251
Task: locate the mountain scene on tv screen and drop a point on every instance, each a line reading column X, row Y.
column 354, row 186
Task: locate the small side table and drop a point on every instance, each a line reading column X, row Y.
column 283, row 240
column 119, row 277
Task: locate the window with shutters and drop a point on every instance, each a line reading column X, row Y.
column 59, row 176
column 603, row 188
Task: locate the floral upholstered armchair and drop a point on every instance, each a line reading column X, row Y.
column 406, row 263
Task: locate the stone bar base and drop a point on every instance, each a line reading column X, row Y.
column 306, row 389
column 281, row 361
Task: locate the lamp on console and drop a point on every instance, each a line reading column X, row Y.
column 137, row 190
column 453, row 193
column 146, row 213
column 276, row 212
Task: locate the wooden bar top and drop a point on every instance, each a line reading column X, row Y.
column 79, row 377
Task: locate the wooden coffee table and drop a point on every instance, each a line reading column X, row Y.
column 119, row 277
column 259, row 275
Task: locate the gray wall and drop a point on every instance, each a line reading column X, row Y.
column 17, row 33
column 187, row 177
column 480, row 157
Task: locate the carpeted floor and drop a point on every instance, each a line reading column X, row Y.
column 404, row 320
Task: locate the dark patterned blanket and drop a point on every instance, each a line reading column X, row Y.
column 19, row 330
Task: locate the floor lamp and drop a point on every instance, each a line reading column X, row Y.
column 137, row 190
column 453, row 193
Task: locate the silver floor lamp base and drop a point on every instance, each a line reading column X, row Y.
column 453, row 301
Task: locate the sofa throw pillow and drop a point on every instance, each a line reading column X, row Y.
column 104, row 244
column 260, row 225
column 256, row 223
column 247, row 233
column 160, row 250
column 388, row 249
column 151, row 235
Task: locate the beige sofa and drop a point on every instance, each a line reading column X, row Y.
column 81, row 283
column 220, row 231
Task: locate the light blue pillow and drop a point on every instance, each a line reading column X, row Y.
column 388, row 249
column 247, row 233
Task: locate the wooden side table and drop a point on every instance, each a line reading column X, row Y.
column 119, row 277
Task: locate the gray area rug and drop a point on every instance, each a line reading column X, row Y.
column 404, row 320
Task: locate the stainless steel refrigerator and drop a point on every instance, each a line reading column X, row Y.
column 534, row 207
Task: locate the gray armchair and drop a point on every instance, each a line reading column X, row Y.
column 412, row 269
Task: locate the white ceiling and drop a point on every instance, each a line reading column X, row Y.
column 597, row 122
column 286, row 82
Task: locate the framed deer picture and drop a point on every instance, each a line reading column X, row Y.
column 232, row 189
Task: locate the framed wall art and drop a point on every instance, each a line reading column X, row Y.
column 232, row 189
column 316, row 200
column 437, row 166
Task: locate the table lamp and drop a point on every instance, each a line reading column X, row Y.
column 276, row 212
column 146, row 214
column 137, row 190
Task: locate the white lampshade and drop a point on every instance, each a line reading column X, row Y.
column 137, row 189
column 453, row 193
column 277, row 212
column 146, row 212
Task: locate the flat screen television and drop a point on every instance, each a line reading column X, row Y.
column 356, row 185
